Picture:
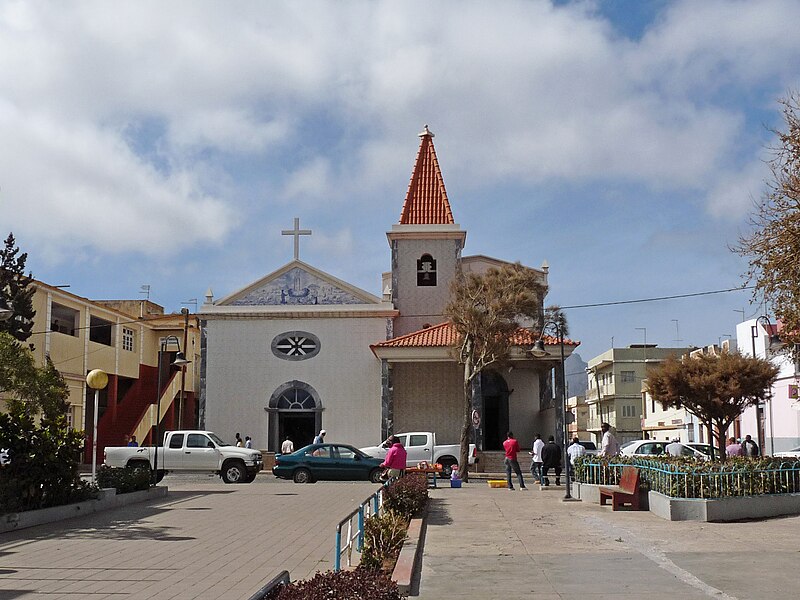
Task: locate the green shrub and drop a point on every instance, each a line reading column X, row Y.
column 360, row 584
column 123, row 480
column 407, row 495
column 43, row 470
column 383, row 538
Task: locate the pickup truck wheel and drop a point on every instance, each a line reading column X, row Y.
column 139, row 464
column 302, row 476
column 375, row 476
column 160, row 475
column 447, row 463
column 234, row 472
column 251, row 477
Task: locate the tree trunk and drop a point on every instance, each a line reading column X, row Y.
column 466, row 426
column 721, row 440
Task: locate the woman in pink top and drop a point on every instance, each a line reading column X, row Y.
column 395, row 459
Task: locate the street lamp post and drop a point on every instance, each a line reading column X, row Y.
column 774, row 339
column 561, row 420
column 180, row 361
column 97, row 380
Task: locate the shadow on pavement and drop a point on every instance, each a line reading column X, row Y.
column 437, row 513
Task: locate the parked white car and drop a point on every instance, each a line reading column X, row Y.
column 651, row 448
column 793, row 453
column 421, row 446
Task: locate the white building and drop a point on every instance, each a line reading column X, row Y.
column 300, row 350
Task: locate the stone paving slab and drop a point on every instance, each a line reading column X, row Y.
column 502, row 544
column 207, row 540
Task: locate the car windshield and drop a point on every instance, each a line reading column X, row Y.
column 217, row 440
column 627, row 444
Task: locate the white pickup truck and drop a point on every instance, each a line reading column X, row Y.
column 421, row 446
column 193, row 451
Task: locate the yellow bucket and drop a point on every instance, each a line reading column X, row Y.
column 497, row 483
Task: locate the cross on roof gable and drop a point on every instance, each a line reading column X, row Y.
column 426, row 200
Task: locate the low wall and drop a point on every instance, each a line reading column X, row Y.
column 410, row 555
column 723, row 509
column 107, row 499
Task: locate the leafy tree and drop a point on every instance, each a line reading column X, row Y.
column 714, row 388
column 16, row 290
column 44, row 451
column 486, row 311
column 773, row 246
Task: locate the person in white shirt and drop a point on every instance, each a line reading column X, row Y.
column 536, row 458
column 675, row 448
column 609, row 445
column 574, row 450
column 287, row 447
column 248, row 441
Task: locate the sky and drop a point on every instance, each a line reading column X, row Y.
column 169, row 144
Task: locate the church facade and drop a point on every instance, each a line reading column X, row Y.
column 300, row 350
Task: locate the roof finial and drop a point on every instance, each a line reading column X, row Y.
column 426, row 131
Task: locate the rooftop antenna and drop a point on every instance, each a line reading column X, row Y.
column 192, row 301
column 145, row 289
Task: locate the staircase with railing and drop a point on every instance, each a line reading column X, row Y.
column 144, row 429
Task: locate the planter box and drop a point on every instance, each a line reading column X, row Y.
column 410, row 558
column 107, row 499
column 723, row 509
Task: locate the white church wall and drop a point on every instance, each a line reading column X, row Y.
column 428, row 397
column 427, row 301
column 243, row 373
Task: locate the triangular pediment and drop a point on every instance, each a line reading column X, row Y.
column 298, row 283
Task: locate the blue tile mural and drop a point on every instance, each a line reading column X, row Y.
column 297, row 286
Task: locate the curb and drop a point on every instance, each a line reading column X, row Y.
column 409, row 560
column 107, row 500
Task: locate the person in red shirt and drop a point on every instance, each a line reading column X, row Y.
column 511, row 446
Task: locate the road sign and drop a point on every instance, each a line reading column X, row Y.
column 476, row 419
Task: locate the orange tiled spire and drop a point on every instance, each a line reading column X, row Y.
column 426, row 200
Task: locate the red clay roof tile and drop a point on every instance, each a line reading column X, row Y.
column 445, row 335
column 426, row 200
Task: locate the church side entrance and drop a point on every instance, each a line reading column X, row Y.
column 495, row 410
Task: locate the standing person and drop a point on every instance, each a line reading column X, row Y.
column 674, row 448
column 239, row 443
column 132, row 442
column 734, row 448
column 248, row 442
column 287, row 447
column 536, row 458
column 320, row 438
column 574, row 450
column 551, row 458
column 396, row 458
column 750, row 447
column 511, row 446
column 609, row 445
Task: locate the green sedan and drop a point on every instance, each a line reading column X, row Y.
column 327, row 461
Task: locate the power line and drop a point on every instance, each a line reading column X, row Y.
column 640, row 300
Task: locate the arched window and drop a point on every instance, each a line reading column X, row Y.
column 426, row 270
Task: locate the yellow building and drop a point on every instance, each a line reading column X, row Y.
column 124, row 338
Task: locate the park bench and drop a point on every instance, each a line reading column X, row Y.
column 627, row 492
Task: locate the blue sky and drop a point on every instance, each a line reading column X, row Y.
column 169, row 144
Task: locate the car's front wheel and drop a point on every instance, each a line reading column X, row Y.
column 234, row 472
column 302, row 476
column 375, row 476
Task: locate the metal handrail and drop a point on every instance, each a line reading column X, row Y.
column 368, row 508
column 280, row 579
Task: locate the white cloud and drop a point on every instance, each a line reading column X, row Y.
column 518, row 92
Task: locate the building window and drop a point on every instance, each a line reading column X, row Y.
column 295, row 398
column 627, row 376
column 128, row 335
column 628, row 410
column 426, row 271
column 100, row 330
column 295, row 345
column 64, row 319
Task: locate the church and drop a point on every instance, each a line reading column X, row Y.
column 300, row 350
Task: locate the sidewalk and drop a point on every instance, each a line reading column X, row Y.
column 487, row 543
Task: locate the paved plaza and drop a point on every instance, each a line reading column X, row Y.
column 207, row 540
column 210, row 540
column 486, row 544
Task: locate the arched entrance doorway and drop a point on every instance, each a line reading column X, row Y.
column 295, row 411
column 495, row 410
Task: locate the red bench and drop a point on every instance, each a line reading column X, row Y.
column 627, row 492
